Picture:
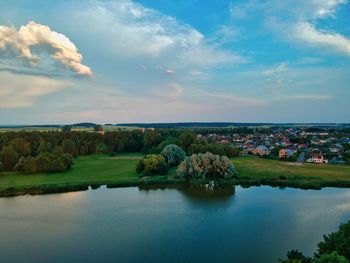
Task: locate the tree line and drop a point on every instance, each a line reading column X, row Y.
column 37, row 151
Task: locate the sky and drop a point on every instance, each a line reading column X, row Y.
column 127, row 61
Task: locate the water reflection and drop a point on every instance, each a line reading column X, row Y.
column 159, row 224
column 200, row 192
column 205, row 193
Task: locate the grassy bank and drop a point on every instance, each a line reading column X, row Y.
column 93, row 170
column 258, row 171
column 119, row 171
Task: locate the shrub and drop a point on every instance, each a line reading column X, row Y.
column 173, row 154
column 152, row 165
column 206, row 166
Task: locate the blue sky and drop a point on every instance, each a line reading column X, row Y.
column 169, row 61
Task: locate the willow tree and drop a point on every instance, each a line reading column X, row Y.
column 206, row 166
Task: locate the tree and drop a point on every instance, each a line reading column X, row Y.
column 333, row 257
column 338, row 241
column 151, row 139
column 152, row 165
column 9, row 158
column 173, row 154
column 206, row 166
column 335, row 248
column 21, row 146
column 186, row 139
column 57, row 166
column 44, row 147
column 69, row 147
column 295, row 256
column 43, row 163
column 67, row 160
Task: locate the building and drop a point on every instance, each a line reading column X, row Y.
column 285, row 153
column 261, row 150
column 316, row 156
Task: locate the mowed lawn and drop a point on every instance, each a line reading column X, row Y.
column 258, row 168
column 87, row 169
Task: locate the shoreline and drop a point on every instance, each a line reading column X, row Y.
column 165, row 182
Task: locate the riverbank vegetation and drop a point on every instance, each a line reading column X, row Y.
column 120, row 170
column 335, row 247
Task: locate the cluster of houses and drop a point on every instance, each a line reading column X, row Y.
column 290, row 143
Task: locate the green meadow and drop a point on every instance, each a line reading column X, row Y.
column 96, row 170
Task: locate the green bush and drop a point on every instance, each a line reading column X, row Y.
column 152, row 165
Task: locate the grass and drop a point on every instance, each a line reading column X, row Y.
column 119, row 170
column 92, row 170
column 258, row 171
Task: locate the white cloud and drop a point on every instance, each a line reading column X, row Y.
column 131, row 30
column 308, row 34
column 33, row 35
column 19, row 91
column 299, row 26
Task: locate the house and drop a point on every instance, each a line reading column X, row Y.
column 285, row 153
column 316, row 156
column 261, row 150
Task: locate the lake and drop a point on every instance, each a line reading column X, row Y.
column 257, row 224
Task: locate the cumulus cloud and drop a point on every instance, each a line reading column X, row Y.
column 23, row 91
column 22, row 41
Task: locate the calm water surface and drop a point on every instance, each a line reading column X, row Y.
column 257, row 224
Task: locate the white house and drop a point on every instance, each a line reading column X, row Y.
column 316, row 157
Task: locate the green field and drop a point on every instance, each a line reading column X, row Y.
column 263, row 168
column 95, row 170
column 87, row 171
column 74, row 128
column 256, row 171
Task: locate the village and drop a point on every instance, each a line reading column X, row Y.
column 290, row 144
